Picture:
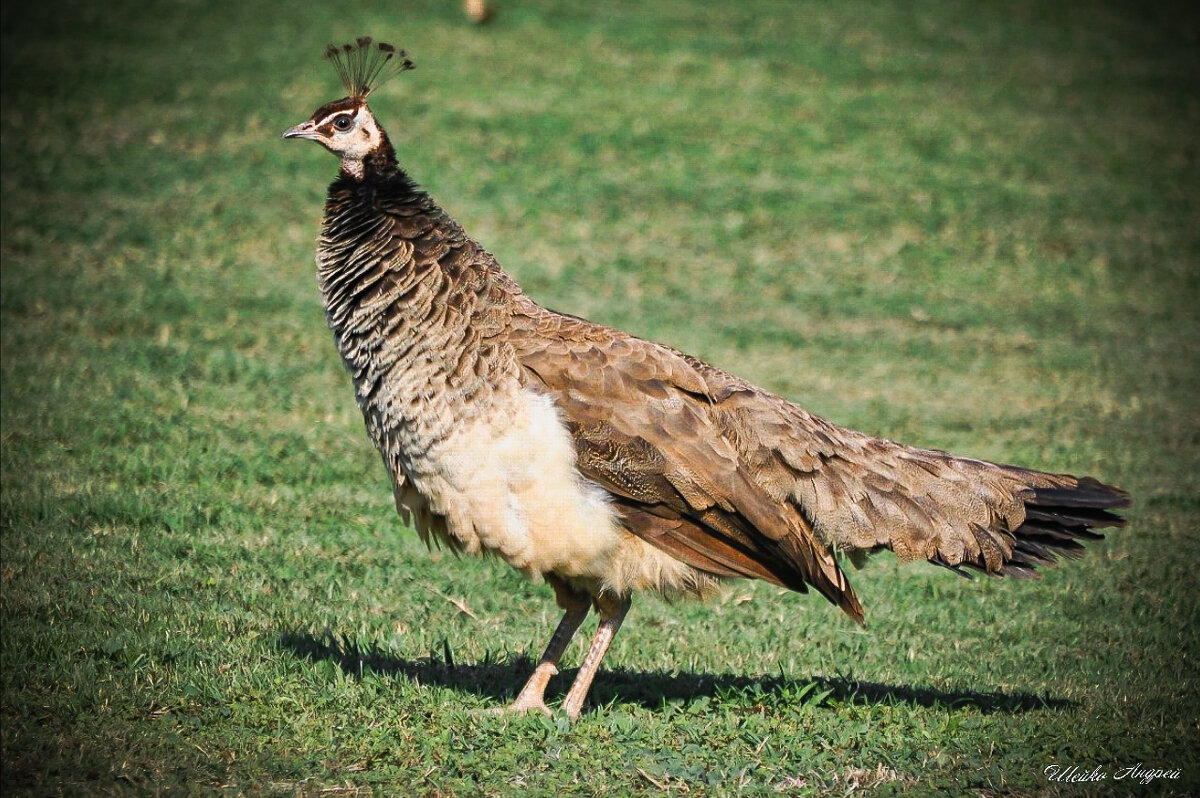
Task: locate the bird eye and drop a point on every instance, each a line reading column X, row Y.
column 342, row 123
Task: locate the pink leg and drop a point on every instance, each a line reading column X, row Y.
column 533, row 694
column 612, row 613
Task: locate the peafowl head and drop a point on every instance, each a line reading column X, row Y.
column 346, row 127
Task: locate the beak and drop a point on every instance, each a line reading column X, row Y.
column 304, row 130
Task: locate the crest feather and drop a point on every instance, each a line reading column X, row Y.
column 366, row 64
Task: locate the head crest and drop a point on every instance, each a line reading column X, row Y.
column 366, row 64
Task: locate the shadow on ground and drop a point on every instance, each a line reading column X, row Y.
column 500, row 680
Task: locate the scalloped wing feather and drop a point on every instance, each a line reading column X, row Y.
column 730, row 478
column 645, row 431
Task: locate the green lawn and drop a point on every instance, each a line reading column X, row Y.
column 970, row 226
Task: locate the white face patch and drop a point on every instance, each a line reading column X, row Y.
column 351, row 134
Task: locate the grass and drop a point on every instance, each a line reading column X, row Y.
column 967, row 226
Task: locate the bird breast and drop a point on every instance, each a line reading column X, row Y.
column 506, row 483
column 479, row 460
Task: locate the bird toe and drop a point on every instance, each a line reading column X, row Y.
column 521, row 706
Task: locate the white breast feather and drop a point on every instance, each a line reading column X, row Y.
column 512, row 489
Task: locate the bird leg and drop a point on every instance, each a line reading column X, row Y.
column 612, row 613
column 533, row 694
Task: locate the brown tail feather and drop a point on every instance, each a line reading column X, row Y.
column 1056, row 520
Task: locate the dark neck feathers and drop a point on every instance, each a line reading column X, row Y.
column 379, row 164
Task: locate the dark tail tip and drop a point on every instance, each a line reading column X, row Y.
column 1058, row 518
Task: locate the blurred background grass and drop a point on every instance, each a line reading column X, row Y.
column 971, row 226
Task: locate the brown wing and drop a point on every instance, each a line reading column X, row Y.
column 863, row 493
column 866, row 493
column 645, row 429
column 734, row 480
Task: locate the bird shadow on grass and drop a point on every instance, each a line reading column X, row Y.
column 499, row 680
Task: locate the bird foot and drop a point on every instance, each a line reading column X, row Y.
column 523, row 705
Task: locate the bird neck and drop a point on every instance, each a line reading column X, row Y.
column 379, row 163
column 407, row 293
